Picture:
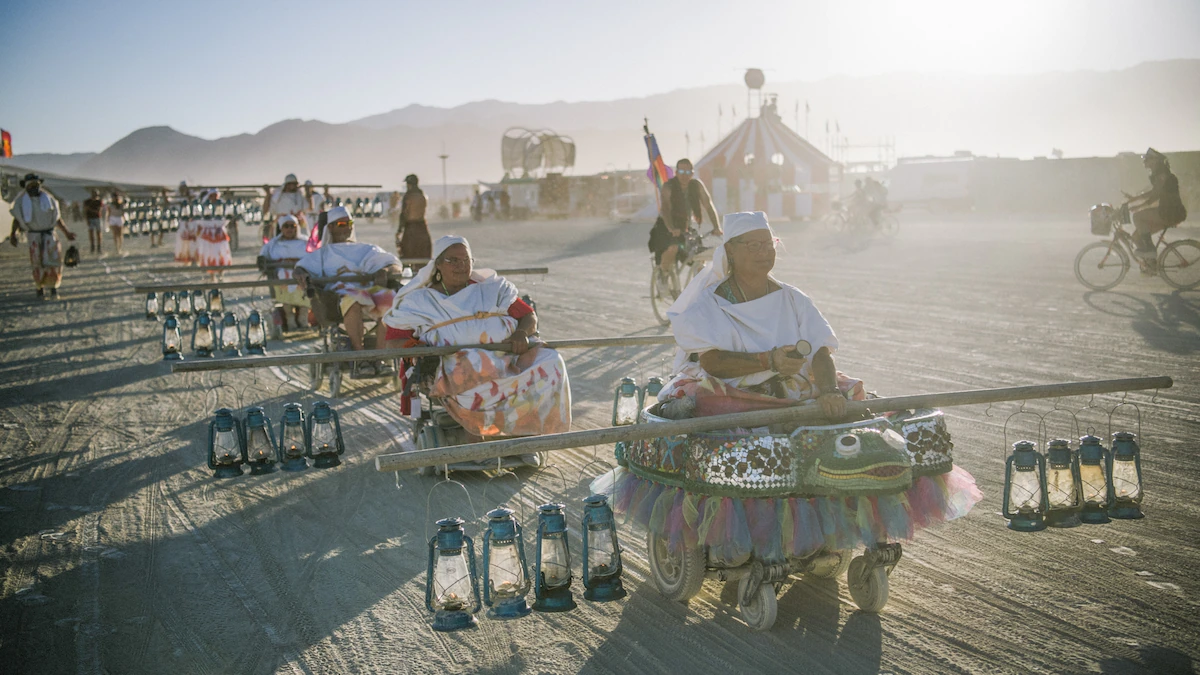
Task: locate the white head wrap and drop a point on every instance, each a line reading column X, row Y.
column 734, row 225
column 286, row 218
column 424, row 276
column 290, row 178
column 335, row 214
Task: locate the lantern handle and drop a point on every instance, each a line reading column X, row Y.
column 1117, row 407
column 1062, row 410
column 446, row 481
column 562, row 477
column 1022, row 411
column 595, row 461
column 502, row 473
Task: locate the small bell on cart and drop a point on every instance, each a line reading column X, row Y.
column 293, row 439
column 170, row 303
column 1125, row 478
column 451, row 583
column 204, row 335
column 1025, row 488
column 505, row 571
column 199, row 301
column 151, row 307
column 1093, row 479
column 226, row 447
column 171, row 342
column 229, row 337
column 1064, row 495
column 261, row 451
column 216, row 301
column 601, row 552
column 256, row 334
column 553, row 567
column 626, row 402
column 325, row 436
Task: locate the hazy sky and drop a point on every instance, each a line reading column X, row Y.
column 81, row 75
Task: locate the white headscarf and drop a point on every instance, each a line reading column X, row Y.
column 335, row 214
column 734, row 225
column 424, row 276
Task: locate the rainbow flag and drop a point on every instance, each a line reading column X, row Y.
column 658, row 172
column 5, row 144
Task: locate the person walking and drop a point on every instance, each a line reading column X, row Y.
column 114, row 215
column 92, row 210
column 37, row 213
column 412, row 237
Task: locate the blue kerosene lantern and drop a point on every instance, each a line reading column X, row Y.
column 553, row 568
column 256, row 334
column 229, row 336
column 601, row 552
column 226, row 446
column 261, row 450
column 325, row 436
column 204, row 335
column 172, row 343
column 1025, row 488
column 505, row 572
column 626, row 402
column 1093, row 479
column 451, row 583
column 293, row 438
column 216, row 301
column 151, row 306
column 1125, row 477
column 1064, row 497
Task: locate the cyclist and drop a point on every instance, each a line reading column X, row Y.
column 683, row 197
column 1155, row 209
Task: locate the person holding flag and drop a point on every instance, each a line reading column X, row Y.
column 681, row 198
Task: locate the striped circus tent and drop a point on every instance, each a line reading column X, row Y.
column 763, row 165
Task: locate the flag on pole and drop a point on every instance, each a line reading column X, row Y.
column 659, row 172
column 5, row 144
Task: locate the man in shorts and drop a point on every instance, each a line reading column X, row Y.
column 91, row 212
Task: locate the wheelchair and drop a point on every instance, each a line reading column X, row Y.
column 326, row 307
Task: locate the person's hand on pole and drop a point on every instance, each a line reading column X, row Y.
column 833, row 404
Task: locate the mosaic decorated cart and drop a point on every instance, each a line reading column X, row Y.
column 758, row 506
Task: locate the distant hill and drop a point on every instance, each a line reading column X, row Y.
column 51, row 163
column 1084, row 113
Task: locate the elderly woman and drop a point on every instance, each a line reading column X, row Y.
column 341, row 255
column 748, row 341
column 491, row 393
column 286, row 248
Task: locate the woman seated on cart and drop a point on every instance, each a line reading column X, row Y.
column 490, row 393
column 737, row 330
column 339, row 256
column 286, row 248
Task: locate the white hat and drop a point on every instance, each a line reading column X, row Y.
column 290, row 178
column 337, row 213
column 286, row 218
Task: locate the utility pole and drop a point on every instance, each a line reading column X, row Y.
column 445, row 188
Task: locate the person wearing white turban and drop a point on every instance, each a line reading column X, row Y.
column 285, row 200
column 341, row 255
column 36, row 212
column 737, row 329
column 490, row 393
column 287, row 247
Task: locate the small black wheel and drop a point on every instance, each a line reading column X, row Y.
column 760, row 612
column 868, row 588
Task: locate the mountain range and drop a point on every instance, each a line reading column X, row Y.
column 1084, row 113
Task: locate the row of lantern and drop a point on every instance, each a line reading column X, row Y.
column 452, row 580
column 184, row 303
column 1066, row 487
column 233, row 443
column 210, row 336
column 629, row 399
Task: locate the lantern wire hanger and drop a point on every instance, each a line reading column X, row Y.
column 448, row 482
column 1137, row 410
column 501, row 473
column 1041, row 429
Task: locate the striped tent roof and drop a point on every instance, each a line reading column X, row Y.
column 764, row 136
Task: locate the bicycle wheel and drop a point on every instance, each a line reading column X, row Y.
column 1179, row 264
column 660, row 294
column 1101, row 265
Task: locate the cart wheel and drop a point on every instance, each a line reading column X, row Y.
column 335, row 381
column 678, row 576
column 823, row 570
column 868, row 587
column 425, row 441
column 760, row 612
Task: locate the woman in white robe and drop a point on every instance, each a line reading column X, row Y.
column 287, row 247
column 524, row 392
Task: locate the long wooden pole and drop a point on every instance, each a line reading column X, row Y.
column 799, row 414
column 194, row 365
column 251, row 266
column 260, row 283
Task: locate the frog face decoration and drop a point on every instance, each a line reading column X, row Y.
column 859, row 459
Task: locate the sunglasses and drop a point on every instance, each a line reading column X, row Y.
column 340, row 223
column 685, row 172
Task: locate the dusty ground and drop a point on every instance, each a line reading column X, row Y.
column 121, row 554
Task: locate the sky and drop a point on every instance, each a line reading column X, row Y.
column 81, row 75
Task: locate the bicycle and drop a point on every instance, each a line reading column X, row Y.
column 665, row 287
column 1102, row 265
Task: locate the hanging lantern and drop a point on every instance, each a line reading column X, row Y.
column 256, row 334
column 1064, row 496
column 151, row 307
column 1025, row 488
column 293, row 438
column 172, row 344
column 216, row 301
column 450, row 578
column 1125, row 478
column 261, row 450
column 226, row 446
column 377, row 207
column 505, row 572
column 601, row 552
column 553, row 571
column 204, row 335
column 1093, row 479
column 170, row 303
column 199, row 302
column 626, row 403
column 183, row 300
column 325, row 436
column 653, row 386
column 229, row 337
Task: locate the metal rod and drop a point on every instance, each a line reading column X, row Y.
column 290, row 265
column 798, row 414
column 260, row 283
column 273, row 186
column 411, row 352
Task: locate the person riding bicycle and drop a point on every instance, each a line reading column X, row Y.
column 1155, row 209
column 683, row 198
